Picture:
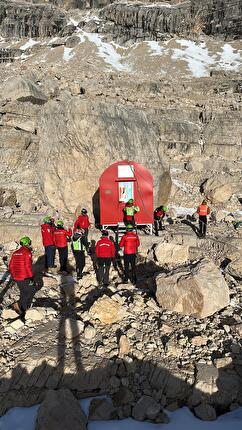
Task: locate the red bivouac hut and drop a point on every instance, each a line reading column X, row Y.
column 120, row 182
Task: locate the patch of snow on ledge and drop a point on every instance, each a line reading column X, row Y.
column 230, row 60
column 29, row 44
column 155, row 48
column 67, row 55
column 108, row 52
column 196, row 55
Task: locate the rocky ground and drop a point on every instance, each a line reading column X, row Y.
column 122, row 341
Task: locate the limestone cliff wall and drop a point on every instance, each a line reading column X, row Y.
column 27, row 20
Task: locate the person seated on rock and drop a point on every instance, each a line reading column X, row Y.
column 159, row 215
column 61, row 236
column 203, row 211
column 83, row 222
column 20, row 268
column 78, row 248
column 105, row 253
column 47, row 230
column 130, row 242
column 129, row 212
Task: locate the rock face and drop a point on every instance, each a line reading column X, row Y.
column 200, row 291
column 26, row 20
column 60, row 410
column 123, row 129
column 139, row 21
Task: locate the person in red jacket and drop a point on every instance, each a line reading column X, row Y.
column 105, row 253
column 130, row 242
column 47, row 230
column 20, row 268
column 83, row 222
column 203, row 211
column 61, row 236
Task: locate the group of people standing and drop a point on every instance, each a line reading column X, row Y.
column 55, row 237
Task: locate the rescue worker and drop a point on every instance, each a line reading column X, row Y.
column 83, row 222
column 47, row 230
column 105, row 253
column 130, row 242
column 61, row 236
column 159, row 215
column 20, row 267
column 78, row 249
column 203, row 211
column 129, row 212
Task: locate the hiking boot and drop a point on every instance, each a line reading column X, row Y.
column 16, row 308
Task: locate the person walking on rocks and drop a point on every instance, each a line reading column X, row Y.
column 78, row 248
column 61, row 236
column 83, row 222
column 130, row 242
column 47, row 231
column 129, row 212
column 203, row 211
column 159, row 215
column 20, row 268
column 105, row 253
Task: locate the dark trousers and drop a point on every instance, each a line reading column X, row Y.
column 27, row 290
column 80, row 261
column 49, row 256
column 158, row 226
column 85, row 239
column 103, row 269
column 63, row 256
column 130, row 263
column 203, row 225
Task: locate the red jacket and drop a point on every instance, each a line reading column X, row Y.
column 105, row 248
column 47, row 231
column 20, row 265
column 130, row 242
column 203, row 210
column 82, row 221
column 60, row 236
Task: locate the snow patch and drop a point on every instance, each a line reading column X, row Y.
column 196, row 55
column 230, row 59
column 29, row 44
column 67, row 55
column 180, row 210
column 155, row 48
column 107, row 52
column 25, row 418
column 73, row 21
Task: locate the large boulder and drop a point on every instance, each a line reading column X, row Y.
column 220, row 188
column 60, row 410
column 23, row 90
column 171, row 254
column 199, row 290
